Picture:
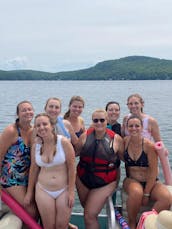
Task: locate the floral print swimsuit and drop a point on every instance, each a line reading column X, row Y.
column 16, row 164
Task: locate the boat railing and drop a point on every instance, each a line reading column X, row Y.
column 112, row 223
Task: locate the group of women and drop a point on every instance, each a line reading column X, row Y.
column 38, row 162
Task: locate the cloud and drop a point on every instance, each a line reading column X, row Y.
column 66, row 35
column 17, row 63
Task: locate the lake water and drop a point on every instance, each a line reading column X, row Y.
column 156, row 94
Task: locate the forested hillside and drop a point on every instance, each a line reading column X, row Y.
column 127, row 68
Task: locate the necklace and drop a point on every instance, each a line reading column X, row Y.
column 135, row 150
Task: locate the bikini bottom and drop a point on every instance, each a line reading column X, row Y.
column 53, row 194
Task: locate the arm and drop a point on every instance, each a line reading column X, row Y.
column 74, row 138
column 118, row 145
column 83, row 124
column 81, row 142
column 71, row 169
column 33, row 174
column 153, row 166
column 155, row 130
column 7, row 138
column 123, row 126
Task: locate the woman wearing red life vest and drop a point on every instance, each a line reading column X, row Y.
column 97, row 169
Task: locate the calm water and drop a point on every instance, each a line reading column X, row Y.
column 156, row 94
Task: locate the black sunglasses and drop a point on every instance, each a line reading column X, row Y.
column 95, row 120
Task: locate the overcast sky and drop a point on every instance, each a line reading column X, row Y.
column 58, row 35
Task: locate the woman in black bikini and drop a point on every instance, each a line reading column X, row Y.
column 141, row 163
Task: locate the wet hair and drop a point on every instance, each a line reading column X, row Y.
column 111, row 102
column 54, row 134
column 52, row 98
column 137, row 96
column 100, row 111
column 17, row 110
column 74, row 98
column 134, row 117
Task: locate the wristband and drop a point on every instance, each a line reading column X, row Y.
column 146, row 194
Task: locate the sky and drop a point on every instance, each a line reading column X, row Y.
column 63, row 35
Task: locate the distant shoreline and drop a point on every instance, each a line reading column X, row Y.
column 127, row 68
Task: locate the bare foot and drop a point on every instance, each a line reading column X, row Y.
column 72, row 226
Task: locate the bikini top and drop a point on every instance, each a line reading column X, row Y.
column 78, row 133
column 142, row 161
column 145, row 132
column 59, row 157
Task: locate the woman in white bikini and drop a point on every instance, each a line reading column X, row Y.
column 53, row 172
column 150, row 130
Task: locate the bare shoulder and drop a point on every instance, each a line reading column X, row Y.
column 65, row 142
column 67, row 147
column 9, row 132
column 126, row 139
column 118, row 138
column 81, row 119
column 152, row 120
column 149, row 146
column 67, row 123
column 8, row 137
column 125, row 119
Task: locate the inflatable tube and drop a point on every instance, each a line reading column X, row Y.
column 19, row 210
column 163, row 155
column 122, row 222
column 143, row 217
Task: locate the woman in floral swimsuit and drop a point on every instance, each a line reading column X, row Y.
column 15, row 142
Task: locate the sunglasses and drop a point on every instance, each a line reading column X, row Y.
column 96, row 120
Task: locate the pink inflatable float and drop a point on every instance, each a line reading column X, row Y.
column 163, row 155
column 19, row 211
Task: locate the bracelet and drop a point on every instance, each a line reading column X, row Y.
column 146, row 194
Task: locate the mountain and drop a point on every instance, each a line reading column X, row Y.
column 127, row 68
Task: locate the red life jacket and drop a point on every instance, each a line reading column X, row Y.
column 98, row 162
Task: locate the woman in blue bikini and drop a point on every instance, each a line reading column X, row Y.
column 53, row 171
column 15, row 144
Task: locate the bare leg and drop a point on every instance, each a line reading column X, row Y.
column 94, row 204
column 63, row 212
column 46, row 207
column 82, row 190
column 18, row 193
column 162, row 197
column 134, row 201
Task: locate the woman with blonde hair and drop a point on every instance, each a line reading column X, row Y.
column 97, row 170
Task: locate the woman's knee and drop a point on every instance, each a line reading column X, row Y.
column 89, row 217
column 135, row 193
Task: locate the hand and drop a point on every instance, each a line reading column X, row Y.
column 71, row 200
column 27, row 199
column 145, row 200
